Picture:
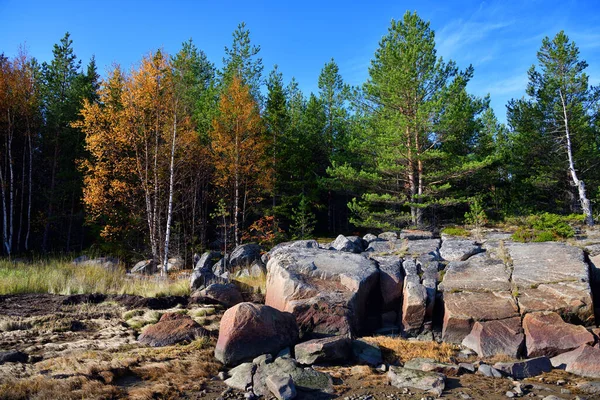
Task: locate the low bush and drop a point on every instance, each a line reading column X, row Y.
column 546, row 227
column 455, row 231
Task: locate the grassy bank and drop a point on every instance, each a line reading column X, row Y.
column 62, row 277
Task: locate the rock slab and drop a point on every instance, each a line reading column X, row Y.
column 548, row 335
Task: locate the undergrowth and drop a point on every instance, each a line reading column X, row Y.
column 545, row 227
column 63, row 277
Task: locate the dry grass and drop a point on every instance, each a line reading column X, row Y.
column 62, row 277
column 258, row 284
column 395, row 349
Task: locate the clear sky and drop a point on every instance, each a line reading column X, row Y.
column 499, row 38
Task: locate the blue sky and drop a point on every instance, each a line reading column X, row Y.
column 499, row 38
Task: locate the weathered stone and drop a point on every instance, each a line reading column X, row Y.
column 489, row 371
column 552, row 275
column 583, row 361
column 571, row 299
column 391, row 281
column 172, row 328
column 410, row 267
column 13, row 356
column 461, row 309
column 369, row 237
column 469, row 367
column 202, row 278
column 282, row 387
column 457, row 249
column 243, row 255
column 366, row 353
column 387, row 247
column 431, row 289
column 432, row 382
column 490, row 338
column 226, row 294
column 342, row 243
column 305, row 379
column 145, row 267
column 415, row 234
column 248, row 330
column 388, row 236
column 423, row 250
column 326, row 291
column 430, row 365
column 240, row 377
column 207, row 260
column 548, row 335
column 414, row 306
column 525, row 368
column 331, row 350
column 476, row 275
column 562, row 360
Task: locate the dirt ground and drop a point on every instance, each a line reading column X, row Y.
column 84, row 347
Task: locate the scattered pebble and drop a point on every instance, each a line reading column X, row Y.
column 510, row 394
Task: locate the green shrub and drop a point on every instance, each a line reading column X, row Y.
column 546, row 227
column 455, row 231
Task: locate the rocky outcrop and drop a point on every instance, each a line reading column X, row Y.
column 552, row 277
column 458, row 249
column 330, row 350
column 548, row 335
column 431, row 382
column 172, row 328
column 350, row 245
column 255, row 375
column 490, row 338
column 248, row 330
column 326, row 291
column 462, row 309
column 243, row 255
column 226, row 294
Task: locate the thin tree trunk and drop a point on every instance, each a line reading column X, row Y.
column 171, row 180
column 585, row 202
column 30, row 181
column 236, row 200
column 11, row 190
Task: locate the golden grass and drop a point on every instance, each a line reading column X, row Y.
column 258, row 284
column 62, row 277
column 395, row 349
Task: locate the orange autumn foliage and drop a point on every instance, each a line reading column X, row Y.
column 239, row 150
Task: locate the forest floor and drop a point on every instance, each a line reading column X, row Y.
column 84, row 346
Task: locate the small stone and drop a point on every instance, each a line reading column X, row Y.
column 383, row 368
column 561, row 382
column 509, row 394
column 565, row 391
column 222, row 376
column 467, row 367
column 489, row 371
column 281, row 386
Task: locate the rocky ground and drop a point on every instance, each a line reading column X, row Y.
column 74, row 347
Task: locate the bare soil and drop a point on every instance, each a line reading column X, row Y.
column 83, row 347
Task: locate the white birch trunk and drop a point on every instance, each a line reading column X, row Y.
column 586, row 206
column 171, row 181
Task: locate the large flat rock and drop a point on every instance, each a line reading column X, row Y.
column 490, row 338
column 462, row 309
column 327, row 291
column 552, row 276
column 477, row 274
column 549, row 262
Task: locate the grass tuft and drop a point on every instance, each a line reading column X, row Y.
column 396, row 349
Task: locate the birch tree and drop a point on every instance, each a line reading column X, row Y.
column 559, row 89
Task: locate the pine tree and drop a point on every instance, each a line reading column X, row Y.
column 558, row 112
